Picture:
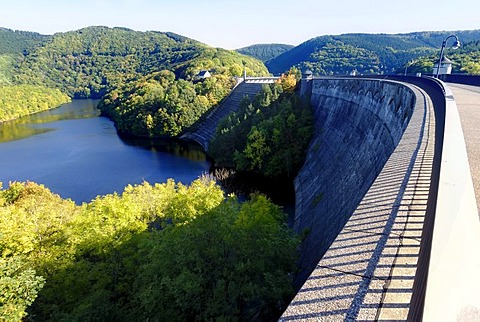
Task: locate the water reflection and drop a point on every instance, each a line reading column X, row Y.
column 189, row 150
column 79, row 155
column 28, row 125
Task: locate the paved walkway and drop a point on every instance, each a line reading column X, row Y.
column 468, row 104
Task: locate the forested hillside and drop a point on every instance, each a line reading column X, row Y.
column 268, row 135
column 364, row 53
column 13, row 45
column 16, row 41
column 465, row 59
column 265, row 52
column 161, row 105
column 163, row 252
column 94, row 61
column 21, row 100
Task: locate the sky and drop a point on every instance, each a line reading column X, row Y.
column 236, row 24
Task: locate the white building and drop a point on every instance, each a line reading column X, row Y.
column 203, row 74
column 445, row 67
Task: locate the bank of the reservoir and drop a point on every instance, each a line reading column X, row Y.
column 79, row 155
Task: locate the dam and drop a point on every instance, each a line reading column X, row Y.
column 375, row 187
column 362, row 196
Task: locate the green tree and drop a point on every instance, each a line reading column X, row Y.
column 163, row 251
column 19, row 286
column 209, row 269
column 471, row 68
column 268, row 139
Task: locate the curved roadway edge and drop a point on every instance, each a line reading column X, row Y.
column 368, row 271
column 453, row 283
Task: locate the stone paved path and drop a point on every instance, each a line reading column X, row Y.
column 468, row 104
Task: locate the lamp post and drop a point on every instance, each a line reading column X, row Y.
column 456, row 44
column 408, row 65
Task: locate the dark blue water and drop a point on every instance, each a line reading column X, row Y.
column 78, row 155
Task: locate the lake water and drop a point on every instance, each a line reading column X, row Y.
column 78, row 155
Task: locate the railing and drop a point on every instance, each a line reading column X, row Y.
column 263, row 80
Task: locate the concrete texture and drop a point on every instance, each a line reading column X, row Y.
column 453, row 273
column 379, row 160
column 358, row 124
column 468, row 105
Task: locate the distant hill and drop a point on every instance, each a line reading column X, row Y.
column 14, row 44
column 146, row 80
column 265, row 52
column 465, row 59
column 365, row 53
column 15, row 41
column 91, row 61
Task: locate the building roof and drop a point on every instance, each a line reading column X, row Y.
column 203, row 73
column 445, row 60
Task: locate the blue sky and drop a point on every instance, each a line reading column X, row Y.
column 234, row 24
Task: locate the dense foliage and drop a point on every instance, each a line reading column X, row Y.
column 465, row 59
column 160, row 105
column 19, row 287
column 17, row 42
column 364, row 53
column 20, row 100
column 265, row 52
column 6, row 69
column 92, row 61
column 166, row 252
column 148, row 79
column 268, row 135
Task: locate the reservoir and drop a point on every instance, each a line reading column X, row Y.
column 78, row 154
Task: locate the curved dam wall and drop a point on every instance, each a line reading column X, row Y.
column 358, row 124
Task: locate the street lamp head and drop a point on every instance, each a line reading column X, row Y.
column 456, row 44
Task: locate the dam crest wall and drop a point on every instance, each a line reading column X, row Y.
column 358, row 124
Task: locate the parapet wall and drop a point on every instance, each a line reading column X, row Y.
column 358, row 124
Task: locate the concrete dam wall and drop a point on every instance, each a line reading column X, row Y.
column 358, row 124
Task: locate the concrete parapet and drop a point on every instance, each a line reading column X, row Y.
column 453, row 283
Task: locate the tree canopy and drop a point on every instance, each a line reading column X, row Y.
column 268, row 135
column 364, row 53
column 147, row 79
column 465, row 59
column 161, row 105
column 21, row 100
column 265, row 52
column 92, row 61
column 156, row 252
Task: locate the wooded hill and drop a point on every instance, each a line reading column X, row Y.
column 465, row 59
column 91, row 61
column 365, row 53
column 15, row 41
column 265, row 52
column 94, row 61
